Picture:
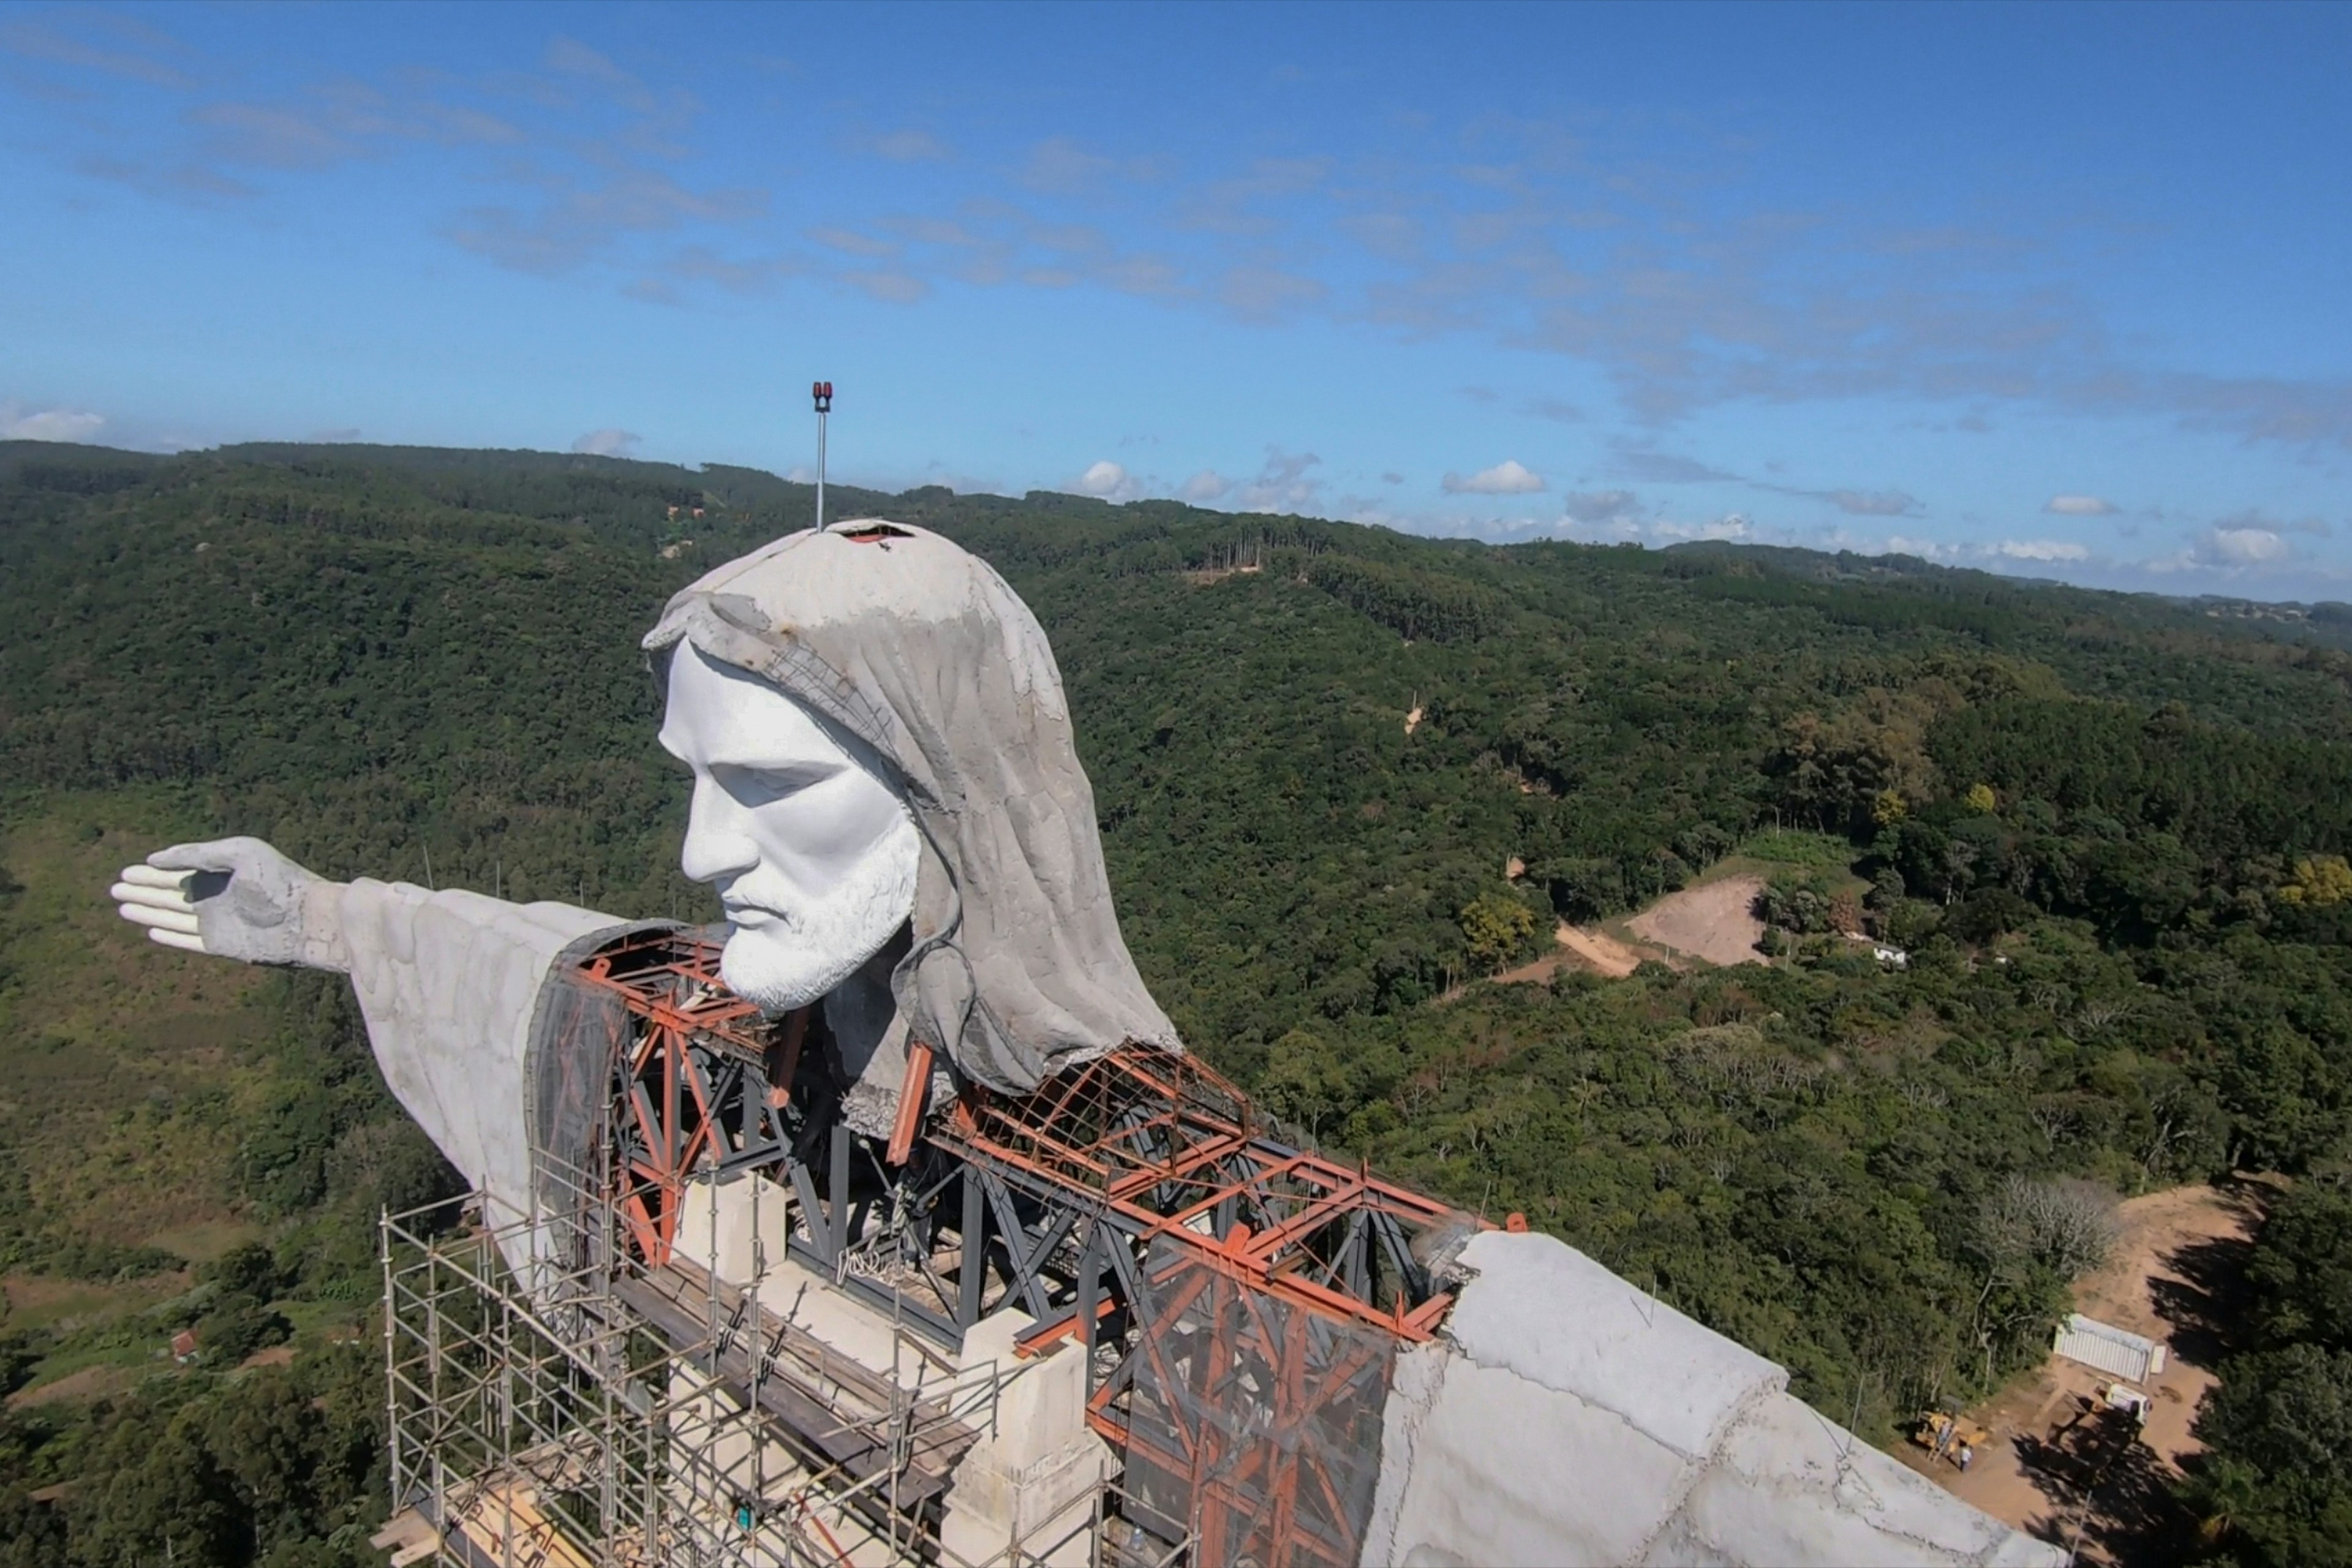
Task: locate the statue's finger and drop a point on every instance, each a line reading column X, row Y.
column 171, row 898
column 162, row 920
column 180, row 940
column 219, row 854
column 153, row 877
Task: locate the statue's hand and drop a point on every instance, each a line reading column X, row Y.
column 237, row 898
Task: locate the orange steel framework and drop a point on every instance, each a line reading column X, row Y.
column 1166, row 1143
column 1253, row 1294
column 668, row 1107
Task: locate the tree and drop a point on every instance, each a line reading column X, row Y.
column 1307, row 1080
column 2277, row 1480
column 1495, row 929
column 2302, row 1266
column 2065, row 1223
column 2319, row 881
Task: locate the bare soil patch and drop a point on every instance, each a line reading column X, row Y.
column 2055, row 1465
column 89, row 1383
column 1713, row 920
column 1579, row 947
column 1598, row 950
column 40, row 1301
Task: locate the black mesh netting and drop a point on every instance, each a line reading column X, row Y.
column 1257, row 1422
column 577, row 1032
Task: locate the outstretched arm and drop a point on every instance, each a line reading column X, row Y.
column 447, row 982
column 237, row 898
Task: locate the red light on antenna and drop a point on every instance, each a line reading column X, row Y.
column 821, row 392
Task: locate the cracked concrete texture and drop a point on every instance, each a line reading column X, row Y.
column 1546, row 1313
column 1566, row 1418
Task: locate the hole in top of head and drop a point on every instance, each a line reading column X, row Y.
column 869, row 532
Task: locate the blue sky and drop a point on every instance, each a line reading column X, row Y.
column 2055, row 290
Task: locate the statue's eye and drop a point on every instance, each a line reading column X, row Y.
column 759, row 787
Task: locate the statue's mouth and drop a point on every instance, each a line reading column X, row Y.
column 751, row 917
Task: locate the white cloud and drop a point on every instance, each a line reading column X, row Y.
column 1206, row 485
column 851, row 241
column 1872, row 503
column 606, row 443
column 1392, row 477
column 2041, row 550
column 1504, row 479
column 2081, row 506
column 1282, row 485
column 2227, row 546
column 1897, row 544
column 1601, row 505
column 19, row 423
column 1267, row 293
column 1108, row 479
column 1059, row 163
column 1731, row 525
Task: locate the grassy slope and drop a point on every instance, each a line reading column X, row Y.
column 126, row 1071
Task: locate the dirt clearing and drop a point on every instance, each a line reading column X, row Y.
column 1575, row 946
column 2054, row 1465
column 1715, row 921
column 1603, row 951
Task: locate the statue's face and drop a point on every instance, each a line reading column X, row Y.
column 814, row 857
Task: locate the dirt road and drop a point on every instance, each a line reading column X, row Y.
column 1598, row 950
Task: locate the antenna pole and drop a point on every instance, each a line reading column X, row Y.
column 821, row 394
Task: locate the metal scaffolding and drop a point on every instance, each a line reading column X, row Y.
column 565, row 1428
column 574, row 1389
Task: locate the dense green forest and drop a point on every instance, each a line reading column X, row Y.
column 2108, row 830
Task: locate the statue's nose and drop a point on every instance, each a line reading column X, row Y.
column 717, row 845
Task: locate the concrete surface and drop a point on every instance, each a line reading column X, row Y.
column 448, row 983
column 1564, row 1417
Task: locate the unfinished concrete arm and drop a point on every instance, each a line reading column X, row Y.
column 1566, row 1418
column 447, row 982
column 238, row 898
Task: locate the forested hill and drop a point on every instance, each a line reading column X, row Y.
column 2109, row 829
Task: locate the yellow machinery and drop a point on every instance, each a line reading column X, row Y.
column 1941, row 1434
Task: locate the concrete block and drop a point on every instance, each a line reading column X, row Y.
column 1542, row 1310
column 1031, row 1480
column 1046, row 1509
column 1040, row 1403
column 734, row 1229
column 1480, row 1465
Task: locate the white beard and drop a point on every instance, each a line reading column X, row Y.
column 819, row 945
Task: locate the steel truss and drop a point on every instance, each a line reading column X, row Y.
column 1136, row 1204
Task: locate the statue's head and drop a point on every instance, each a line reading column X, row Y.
column 879, row 738
column 813, row 855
